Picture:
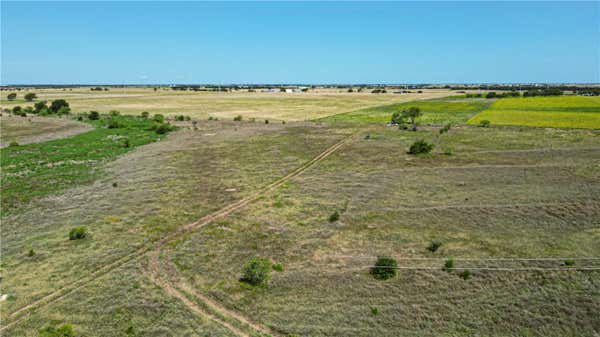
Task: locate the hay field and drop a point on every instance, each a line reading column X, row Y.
column 201, row 105
column 558, row 112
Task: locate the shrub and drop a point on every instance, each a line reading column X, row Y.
column 569, row 263
column 115, row 184
column 56, row 105
column 445, row 129
column 210, row 118
column 17, row 110
column 94, row 115
column 180, row 118
column 65, row 330
column 30, row 96
column 448, row 265
column 78, row 233
column 114, row 113
column 434, row 246
column 256, row 271
column 11, row 96
column 14, row 143
column 114, row 124
column 368, row 136
column 420, row 147
column 31, row 252
column 465, row 274
column 485, row 123
column 335, row 216
column 278, row 267
column 266, row 121
column 385, row 268
column 126, row 143
column 158, row 118
column 163, row 128
column 490, row 94
column 448, row 152
column 374, row 311
column 65, row 110
column 39, row 106
column 237, row 118
column 145, row 114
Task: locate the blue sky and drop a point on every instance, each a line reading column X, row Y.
column 311, row 42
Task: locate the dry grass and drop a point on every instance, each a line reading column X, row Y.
column 280, row 106
column 26, row 130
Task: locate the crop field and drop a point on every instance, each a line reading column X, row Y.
column 559, row 112
column 172, row 219
column 201, row 105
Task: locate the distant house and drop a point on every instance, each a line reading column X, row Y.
column 289, row 90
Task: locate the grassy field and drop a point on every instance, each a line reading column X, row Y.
column 35, row 170
column 559, row 112
column 483, row 193
column 35, row 129
column 495, row 197
column 438, row 111
column 201, row 105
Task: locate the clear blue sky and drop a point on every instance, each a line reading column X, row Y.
column 311, row 42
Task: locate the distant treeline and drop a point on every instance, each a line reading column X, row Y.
column 528, row 93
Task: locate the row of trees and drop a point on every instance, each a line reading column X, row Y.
column 30, row 96
column 528, row 93
column 59, row 107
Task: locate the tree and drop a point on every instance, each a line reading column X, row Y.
column 30, row 96
column 11, row 96
column 39, row 107
column 407, row 116
column 385, row 268
column 65, row 330
column 412, row 114
column 94, row 115
column 56, row 105
column 257, row 271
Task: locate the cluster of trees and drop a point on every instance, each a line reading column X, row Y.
column 407, row 118
column 30, row 96
column 99, row 89
column 528, row 93
column 378, row 91
column 59, row 107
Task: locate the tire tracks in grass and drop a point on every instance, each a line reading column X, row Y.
column 23, row 312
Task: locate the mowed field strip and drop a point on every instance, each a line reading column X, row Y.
column 17, row 315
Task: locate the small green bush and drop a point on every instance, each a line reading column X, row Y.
column 420, row 147
column 237, row 118
column 115, row 184
column 445, row 129
column 465, row 274
column 14, row 143
column 78, row 233
column 335, row 216
column 180, row 118
column 126, row 143
column 257, row 271
column 210, row 118
column 158, row 118
column 485, row 123
column 278, row 267
column 266, row 121
column 65, row 330
column 163, row 128
column 114, row 124
column 374, row 311
column 385, row 268
column 569, row 263
column 145, row 114
column 94, row 115
column 448, row 265
column 31, row 252
column 448, row 152
column 434, row 246
column 114, row 113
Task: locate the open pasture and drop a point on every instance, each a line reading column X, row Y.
column 261, row 105
column 558, row 112
column 35, row 129
column 483, row 193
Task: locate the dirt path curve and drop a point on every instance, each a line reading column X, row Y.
column 23, row 312
column 154, row 270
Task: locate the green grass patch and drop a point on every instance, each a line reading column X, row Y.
column 434, row 112
column 558, row 112
column 36, row 170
